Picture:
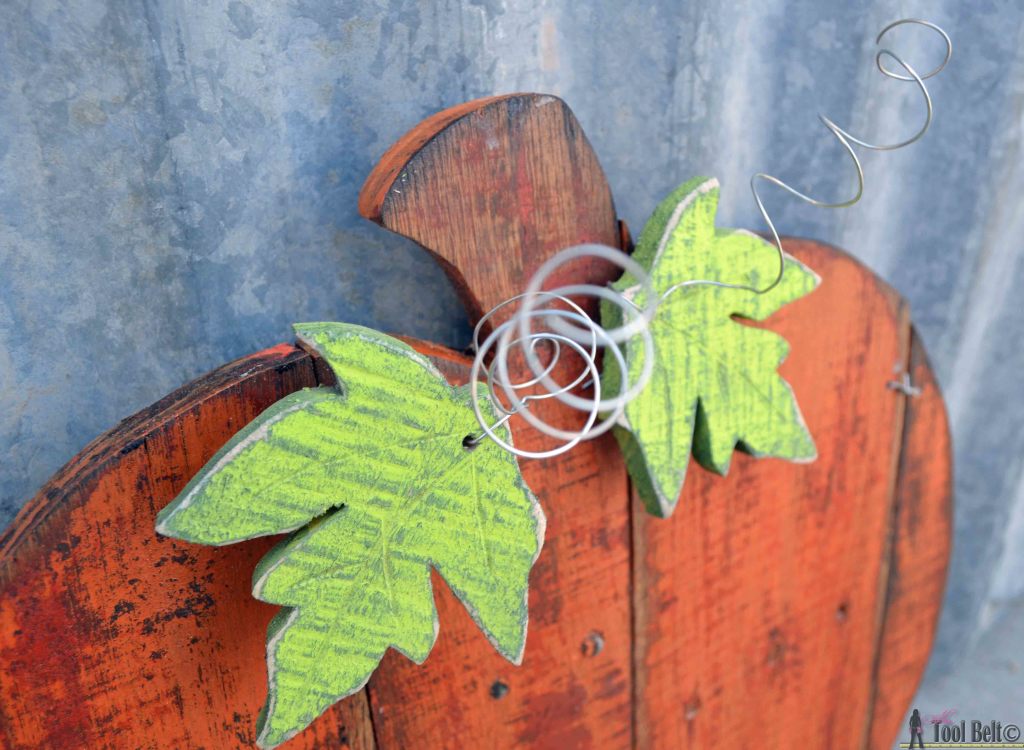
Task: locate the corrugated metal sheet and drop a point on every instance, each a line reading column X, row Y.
column 178, row 183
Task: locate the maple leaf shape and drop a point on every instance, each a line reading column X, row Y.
column 715, row 384
column 374, row 476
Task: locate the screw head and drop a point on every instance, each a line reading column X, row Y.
column 593, row 644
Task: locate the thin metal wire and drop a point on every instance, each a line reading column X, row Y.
column 562, row 329
column 572, row 328
column 847, row 140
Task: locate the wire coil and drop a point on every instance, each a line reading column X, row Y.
column 848, row 141
column 550, row 318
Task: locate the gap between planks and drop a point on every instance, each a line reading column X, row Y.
column 885, row 579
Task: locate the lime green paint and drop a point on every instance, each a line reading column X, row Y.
column 375, row 478
column 715, row 384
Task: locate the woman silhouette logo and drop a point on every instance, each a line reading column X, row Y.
column 915, row 729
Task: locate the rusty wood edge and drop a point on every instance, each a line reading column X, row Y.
column 130, row 434
column 375, row 190
column 916, row 360
column 885, row 578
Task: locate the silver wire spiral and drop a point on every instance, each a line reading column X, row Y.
column 848, row 141
column 551, row 318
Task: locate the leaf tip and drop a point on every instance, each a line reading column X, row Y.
column 706, row 184
column 173, row 521
column 808, row 452
column 661, row 507
column 334, row 343
column 163, row 520
column 661, row 495
column 514, row 652
column 267, row 735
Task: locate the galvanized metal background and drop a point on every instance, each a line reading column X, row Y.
column 178, row 183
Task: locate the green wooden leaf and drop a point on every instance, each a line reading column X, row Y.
column 715, row 384
column 375, row 478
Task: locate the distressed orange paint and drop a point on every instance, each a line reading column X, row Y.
column 776, row 604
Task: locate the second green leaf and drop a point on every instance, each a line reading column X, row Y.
column 715, row 384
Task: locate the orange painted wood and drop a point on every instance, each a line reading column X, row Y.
column 922, row 528
column 114, row 637
column 765, row 615
column 379, row 183
column 782, row 606
column 493, row 194
column 492, row 189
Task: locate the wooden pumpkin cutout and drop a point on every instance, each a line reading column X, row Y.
column 782, row 606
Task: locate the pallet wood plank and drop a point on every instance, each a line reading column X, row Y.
column 515, row 179
column 112, row 636
column 492, row 189
column 757, row 605
column 922, row 530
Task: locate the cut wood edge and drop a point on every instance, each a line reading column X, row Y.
column 374, row 192
column 511, row 177
column 919, row 556
column 894, row 698
column 130, row 434
column 892, row 527
column 20, row 556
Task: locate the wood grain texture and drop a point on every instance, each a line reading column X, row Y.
column 762, row 604
column 114, row 637
column 492, row 189
column 784, row 606
column 714, row 383
column 375, row 476
column 921, row 527
column 492, row 194
column 381, row 180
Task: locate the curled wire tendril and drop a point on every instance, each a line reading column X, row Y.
column 551, row 318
